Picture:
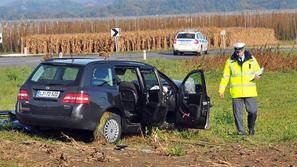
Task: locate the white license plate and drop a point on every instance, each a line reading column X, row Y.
column 184, row 42
column 47, row 94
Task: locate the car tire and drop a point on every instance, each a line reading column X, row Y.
column 206, row 52
column 109, row 128
column 199, row 53
column 175, row 52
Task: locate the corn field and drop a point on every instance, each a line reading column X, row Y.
column 283, row 23
column 136, row 41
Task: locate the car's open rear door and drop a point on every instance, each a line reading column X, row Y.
column 193, row 102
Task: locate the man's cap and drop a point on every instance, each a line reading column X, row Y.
column 239, row 46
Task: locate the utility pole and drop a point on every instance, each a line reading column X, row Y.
column 1, row 37
column 223, row 37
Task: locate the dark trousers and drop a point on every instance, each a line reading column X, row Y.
column 251, row 108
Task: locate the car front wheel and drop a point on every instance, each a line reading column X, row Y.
column 109, row 127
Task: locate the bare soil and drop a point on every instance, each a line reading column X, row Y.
column 143, row 152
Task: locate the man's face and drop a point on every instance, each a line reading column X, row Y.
column 239, row 52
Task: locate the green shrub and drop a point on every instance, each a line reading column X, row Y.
column 175, row 151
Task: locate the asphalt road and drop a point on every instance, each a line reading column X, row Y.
column 6, row 61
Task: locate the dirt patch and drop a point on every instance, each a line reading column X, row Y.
column 38, row 153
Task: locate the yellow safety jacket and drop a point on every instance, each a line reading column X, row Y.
column 240, row 76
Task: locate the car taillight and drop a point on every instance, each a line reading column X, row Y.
column 23, row 95
column 196, row 41
column 76, row 98
column 174, row 41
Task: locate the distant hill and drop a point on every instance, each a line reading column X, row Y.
column 39, row 9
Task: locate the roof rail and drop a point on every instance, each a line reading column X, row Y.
column 68, row 58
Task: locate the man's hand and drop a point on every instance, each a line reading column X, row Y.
column 257, row 77
column 221, row 95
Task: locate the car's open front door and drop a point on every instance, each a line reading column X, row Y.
column 154, row 107
column 193, row 102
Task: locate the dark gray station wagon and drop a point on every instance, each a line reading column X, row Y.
column 109, row 98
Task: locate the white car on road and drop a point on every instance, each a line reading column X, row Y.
column 190, row 42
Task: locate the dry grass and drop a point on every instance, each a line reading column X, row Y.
column 268, row 58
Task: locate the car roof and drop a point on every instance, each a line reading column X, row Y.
column 86, row 61
column 188, row 32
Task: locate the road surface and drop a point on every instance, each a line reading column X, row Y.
column 6, row 61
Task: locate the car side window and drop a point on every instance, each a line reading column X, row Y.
column 127, row 75
column 197, row 36
column 165, row 84
column 102, row 76
column 200, row 36
column 193, row 84
column 150, row 80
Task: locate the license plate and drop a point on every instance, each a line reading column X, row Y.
column 47, row 94
column 184, row 42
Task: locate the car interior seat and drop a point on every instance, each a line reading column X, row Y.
column 129, row 95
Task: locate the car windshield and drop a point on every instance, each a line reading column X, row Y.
column 55, row 74
column 186, row 35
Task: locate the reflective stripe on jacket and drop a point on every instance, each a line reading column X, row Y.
column 240, row 76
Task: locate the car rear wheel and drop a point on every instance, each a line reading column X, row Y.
column 109, row 128
column 175, row 52
column 199, row 53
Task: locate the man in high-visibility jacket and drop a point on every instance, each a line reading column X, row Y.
column 240, row 69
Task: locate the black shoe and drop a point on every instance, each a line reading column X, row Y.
column 252, row 132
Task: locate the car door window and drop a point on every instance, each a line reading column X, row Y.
column 150, row 80
column 193, row 84
column 102, row 76
column 127, row 75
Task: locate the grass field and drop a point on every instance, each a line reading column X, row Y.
column 276, row 126
column 276, row 104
